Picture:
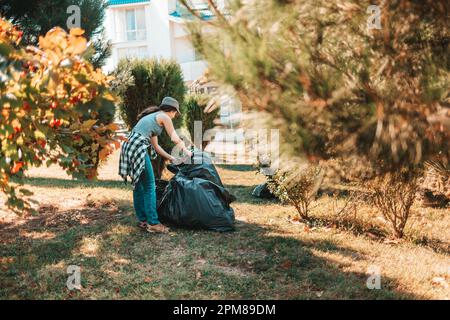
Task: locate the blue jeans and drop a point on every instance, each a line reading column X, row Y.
column 144, row 195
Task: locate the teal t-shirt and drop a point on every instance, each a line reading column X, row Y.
column 148, row 126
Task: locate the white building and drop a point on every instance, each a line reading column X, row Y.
column 153, row 28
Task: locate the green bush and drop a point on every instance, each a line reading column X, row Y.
column 194, row 110
column 152, row 80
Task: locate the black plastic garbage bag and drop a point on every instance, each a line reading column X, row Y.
column 161, row 186
column 200, row 166
column 262, row 191
column 196, row 198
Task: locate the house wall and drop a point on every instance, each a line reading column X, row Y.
column 160, row 29
column 166, row 38
column 115, row 27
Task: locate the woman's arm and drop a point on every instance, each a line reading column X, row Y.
column 168, row 125
column 160, row 150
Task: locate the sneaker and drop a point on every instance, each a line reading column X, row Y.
column 157, row 228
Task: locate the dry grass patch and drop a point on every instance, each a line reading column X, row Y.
column 268, row 257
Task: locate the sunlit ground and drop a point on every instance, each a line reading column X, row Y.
column 92, row 225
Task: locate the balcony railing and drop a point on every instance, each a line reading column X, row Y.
column 201, row 8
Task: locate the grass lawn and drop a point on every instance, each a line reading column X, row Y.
column 92, row 225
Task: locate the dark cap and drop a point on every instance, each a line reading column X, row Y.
column 171, row 102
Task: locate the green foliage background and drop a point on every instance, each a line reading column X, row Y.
column 194, row 110
column 148, row 82
column 36, row 18
column 334, row 87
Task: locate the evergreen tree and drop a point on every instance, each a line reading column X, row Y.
column 35, row 18
column 335, row 83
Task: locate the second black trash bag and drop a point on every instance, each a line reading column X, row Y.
column 196, row 198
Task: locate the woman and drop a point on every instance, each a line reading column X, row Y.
column 135, row 160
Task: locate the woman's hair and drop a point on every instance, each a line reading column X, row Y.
column 153, row 109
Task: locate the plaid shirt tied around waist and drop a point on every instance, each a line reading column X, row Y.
column 132, row 157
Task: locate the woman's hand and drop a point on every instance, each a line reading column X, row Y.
column 168, row 125
column 160, row 150
column 178, row 161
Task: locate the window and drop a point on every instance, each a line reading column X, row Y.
column 135, row 24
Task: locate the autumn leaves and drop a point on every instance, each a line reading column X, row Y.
column 55, row 108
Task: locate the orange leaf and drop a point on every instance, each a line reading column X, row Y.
column 103, row 153
column 76, row 32
column 77, row 45
column 113, row 127
column 17, row 167
column 5, row 180
column 16, row 124
column 87, row 125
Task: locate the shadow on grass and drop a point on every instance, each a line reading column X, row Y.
column 362, row 228
column 244, row 195
column 355, row 226
column 254, row 262
column 237, row 167
column 436, row 245
column 68, row 183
